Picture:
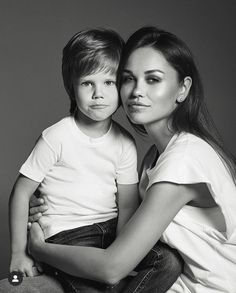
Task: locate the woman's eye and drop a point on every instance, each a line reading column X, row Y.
column 152, row 80
column 127, row 78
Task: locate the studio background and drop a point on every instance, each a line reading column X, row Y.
column 32, row 97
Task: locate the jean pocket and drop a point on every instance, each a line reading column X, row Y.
column 83, row 236
column 108, row 232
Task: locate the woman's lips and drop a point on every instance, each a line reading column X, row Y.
column 138, row 106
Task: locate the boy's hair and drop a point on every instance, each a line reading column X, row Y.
column 88, row 52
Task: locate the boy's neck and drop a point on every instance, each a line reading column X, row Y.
column 92, row 128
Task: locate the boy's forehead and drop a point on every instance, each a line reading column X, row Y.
column 103, row 71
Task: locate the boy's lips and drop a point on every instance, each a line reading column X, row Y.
column 98, row 106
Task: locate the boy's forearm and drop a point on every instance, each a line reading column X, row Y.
column 124, row 216
column 18, row 207
column 18, row 213
column 128, row 202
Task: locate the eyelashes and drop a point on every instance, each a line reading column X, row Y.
column 148, row 79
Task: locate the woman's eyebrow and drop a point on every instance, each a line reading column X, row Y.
column 146, row 72
column 154, row 71
column 127, row 71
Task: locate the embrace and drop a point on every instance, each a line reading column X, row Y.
column 96, row 225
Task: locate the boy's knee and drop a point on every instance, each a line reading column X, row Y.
column 6, row 287
column 171, row 260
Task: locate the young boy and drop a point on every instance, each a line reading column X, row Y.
column 85, row 165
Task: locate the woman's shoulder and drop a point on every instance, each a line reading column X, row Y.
column 189, row 145
column 188, row 159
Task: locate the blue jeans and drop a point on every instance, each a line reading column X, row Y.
column 155, row 273
column 99, row 235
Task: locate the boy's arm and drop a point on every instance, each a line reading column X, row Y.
column 128, row 202
column 18, row 218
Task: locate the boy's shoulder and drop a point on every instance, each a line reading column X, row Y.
column 58, row 129
column 121, row 132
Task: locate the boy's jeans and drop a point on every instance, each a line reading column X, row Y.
column 155, row 273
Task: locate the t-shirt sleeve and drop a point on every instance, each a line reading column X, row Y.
column 179, row 169
column 40, row 161
column 127, row 169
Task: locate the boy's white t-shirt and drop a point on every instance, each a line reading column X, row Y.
column 205, row 237
column 79, row 174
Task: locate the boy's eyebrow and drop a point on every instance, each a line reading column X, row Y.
column 146, row 72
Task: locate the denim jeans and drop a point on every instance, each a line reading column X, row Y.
column 155, row 273
column 99, row 235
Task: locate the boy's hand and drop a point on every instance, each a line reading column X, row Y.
column 37, row 206
column 23, row 263
column 35, row 238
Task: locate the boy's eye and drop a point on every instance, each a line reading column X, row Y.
column 86, row 83
column 110, row 82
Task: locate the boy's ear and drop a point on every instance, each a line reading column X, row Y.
column 184, row 89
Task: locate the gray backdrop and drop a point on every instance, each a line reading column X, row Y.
column 33, row 34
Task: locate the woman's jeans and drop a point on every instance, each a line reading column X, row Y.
column 155, row 273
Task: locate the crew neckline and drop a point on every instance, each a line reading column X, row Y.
column 150, row 169
column 88, row 139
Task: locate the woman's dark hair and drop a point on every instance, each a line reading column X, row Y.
column 87, row 52
column 191, row 115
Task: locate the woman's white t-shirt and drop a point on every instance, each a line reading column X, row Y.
column 205, row 237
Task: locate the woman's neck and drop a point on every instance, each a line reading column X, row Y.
column 160, row 134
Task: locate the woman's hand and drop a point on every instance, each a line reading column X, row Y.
column 35, row 239
column 37, row 206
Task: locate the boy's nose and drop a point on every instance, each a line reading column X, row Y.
column 97, row 94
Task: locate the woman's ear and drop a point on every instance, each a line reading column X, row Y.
column 184, row 89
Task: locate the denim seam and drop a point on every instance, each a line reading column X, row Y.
column 103, row 232
column 158, row 253
column 145, row 278
column 74, row 288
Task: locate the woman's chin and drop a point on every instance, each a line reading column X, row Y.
column 136, row 119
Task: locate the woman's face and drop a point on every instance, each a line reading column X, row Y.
column 150, row 87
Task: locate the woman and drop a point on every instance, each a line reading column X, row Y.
column 187, row 182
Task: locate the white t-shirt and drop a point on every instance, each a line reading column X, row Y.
column 79, row 174
column 205, row 237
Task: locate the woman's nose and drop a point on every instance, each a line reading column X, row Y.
column 138, row 90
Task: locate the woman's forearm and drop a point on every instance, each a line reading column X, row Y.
column 85, row 262
column 133, row 243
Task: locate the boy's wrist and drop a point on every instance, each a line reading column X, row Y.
column 18, row 252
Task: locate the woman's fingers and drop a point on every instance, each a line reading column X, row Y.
column 36, row 201
column 38, row 209
column 34, row 218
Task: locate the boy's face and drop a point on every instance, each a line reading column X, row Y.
column 96, row 95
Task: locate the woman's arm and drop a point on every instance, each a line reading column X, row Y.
column 161, row 204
